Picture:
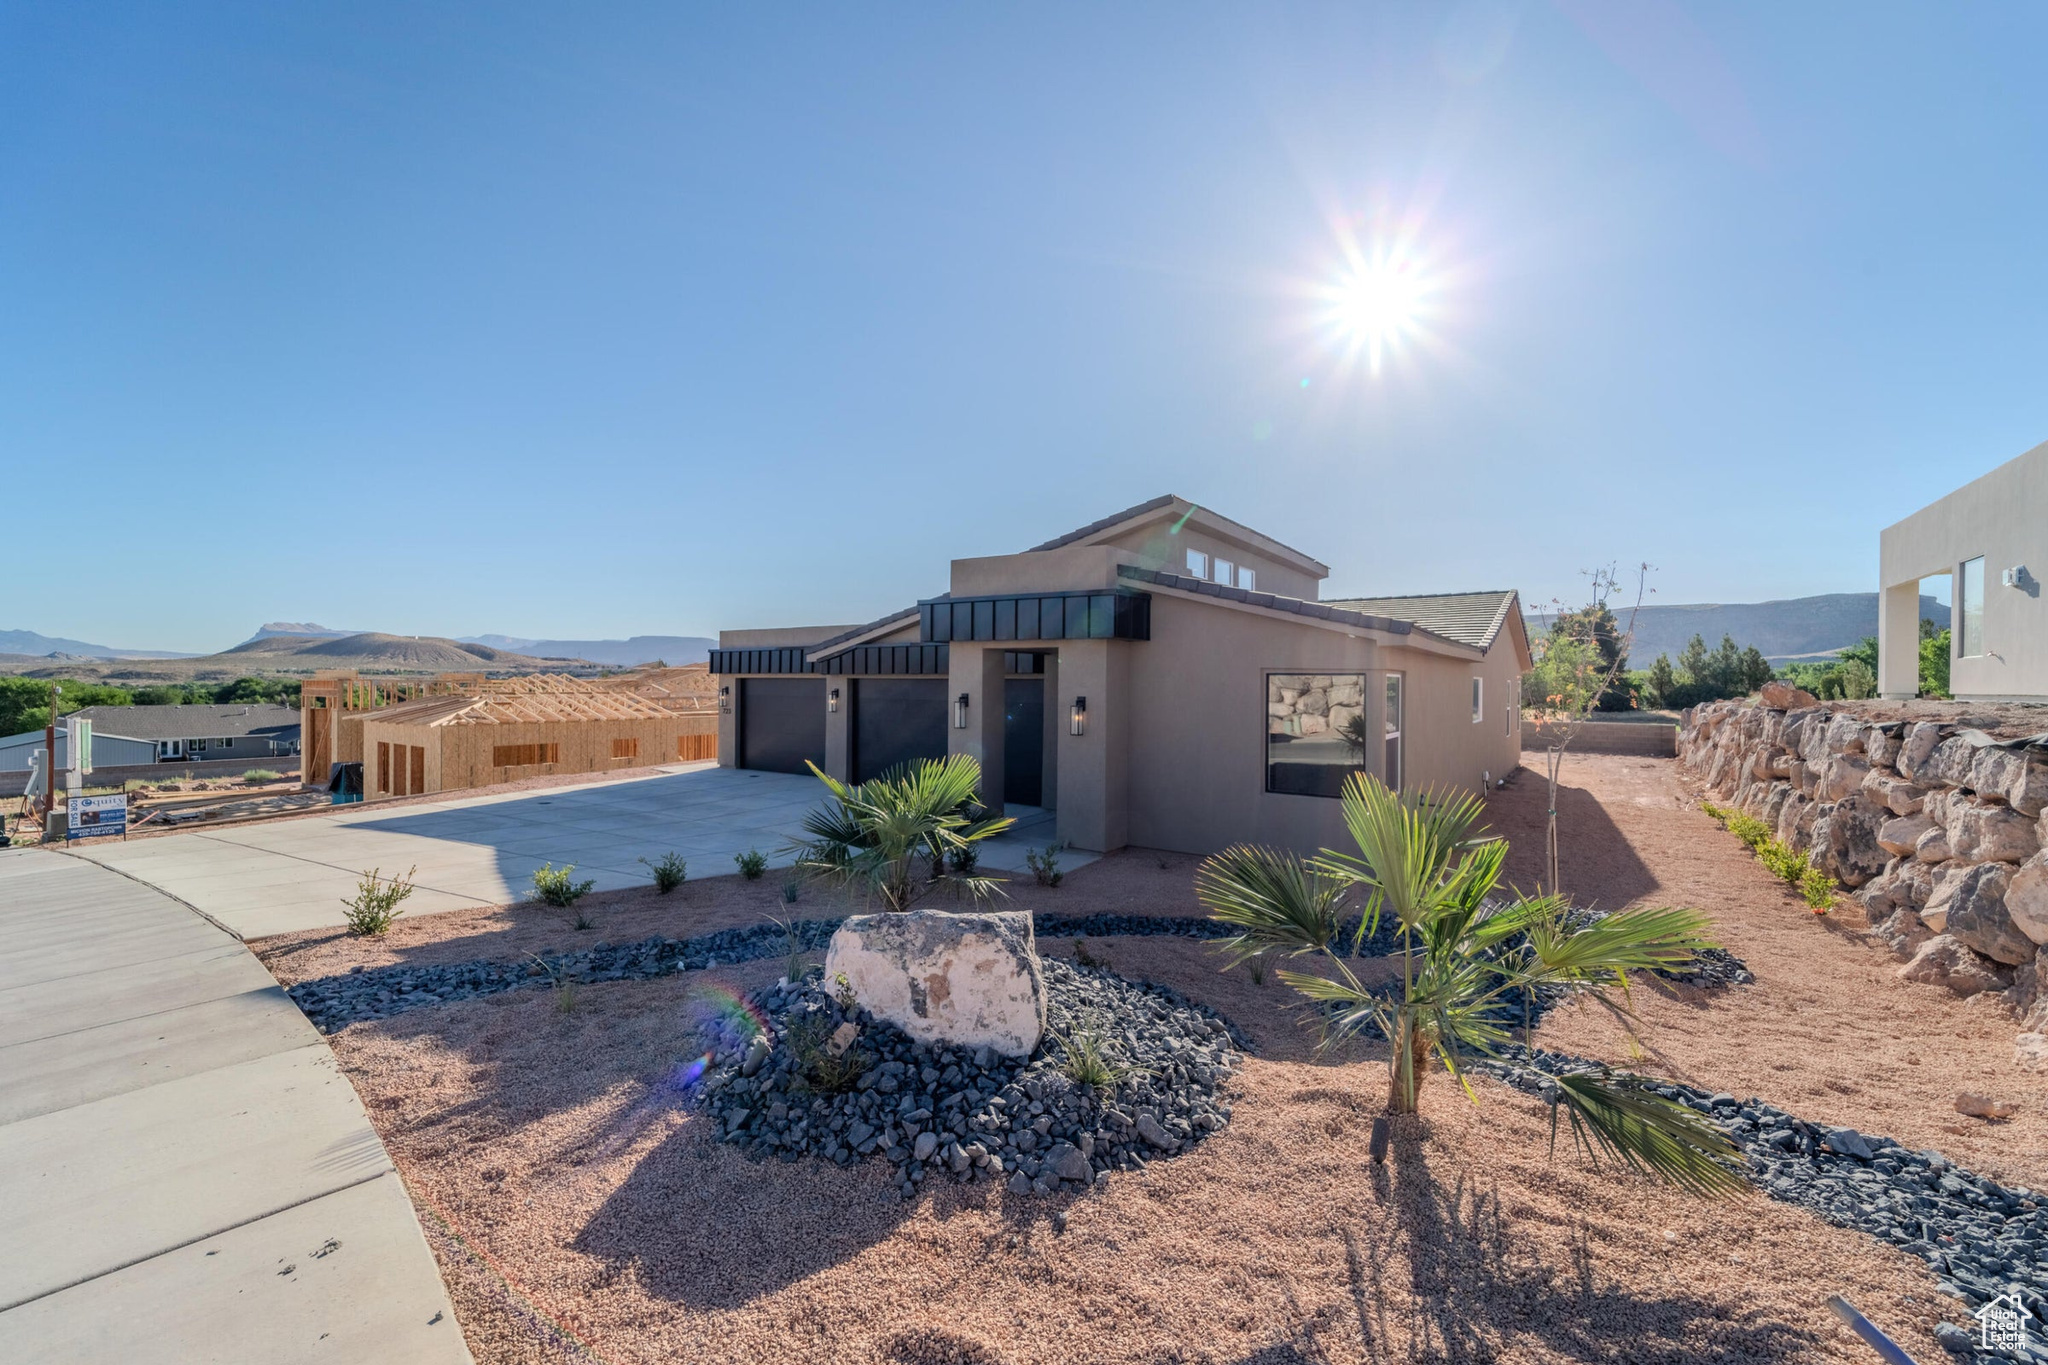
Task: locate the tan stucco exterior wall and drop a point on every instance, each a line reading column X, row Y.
column 2003, row 517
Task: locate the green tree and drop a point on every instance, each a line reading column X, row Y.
column 891, row 837
column 25, row 702
column 1663, row 682
column 1595, row 629
column 1756, row 670
column 1468, row 964
column 1693, row 663
column 1935, row 647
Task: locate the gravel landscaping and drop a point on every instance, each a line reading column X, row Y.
column 973, row 1114
column 574, row 1188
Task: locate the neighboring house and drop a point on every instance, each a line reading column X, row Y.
column 510, row 731
column 1991, row 536
column 127, row 735
column 1164, row 677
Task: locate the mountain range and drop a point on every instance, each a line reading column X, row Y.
column 29, row 642
column 675, row 650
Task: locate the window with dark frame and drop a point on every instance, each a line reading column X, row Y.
column 1391, row 725
column 1316, row 732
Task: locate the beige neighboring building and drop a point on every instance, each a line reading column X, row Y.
column 1991, row 537
column 1165, row 677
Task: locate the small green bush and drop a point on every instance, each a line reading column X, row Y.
column 819, row 1068
column 261, row 775
column 1085, row 1059
column 752, row 863
column 552, row 886
column 791, row 889
column 1788, row 864
column 668, row 873
column 1045, row 867
column 375, row 904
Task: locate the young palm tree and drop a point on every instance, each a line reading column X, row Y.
column 1468, row 964
column 892, row 836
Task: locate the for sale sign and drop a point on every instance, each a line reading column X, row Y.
column 94, row 816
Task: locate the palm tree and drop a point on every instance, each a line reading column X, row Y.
column 1468, row 962
column 872, row 837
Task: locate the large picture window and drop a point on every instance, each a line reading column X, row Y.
column 1970, row 613
column 1316, row 732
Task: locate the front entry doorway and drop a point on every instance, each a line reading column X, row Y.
column 1024, row 741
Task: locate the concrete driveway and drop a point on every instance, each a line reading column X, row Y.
column 292, row 875
column 185, row 1175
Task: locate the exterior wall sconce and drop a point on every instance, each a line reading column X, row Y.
column 832, row 700
column 960, row 712
column 725, row 699
column 1077, row 723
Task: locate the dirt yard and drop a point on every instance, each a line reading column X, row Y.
column 579, row 1211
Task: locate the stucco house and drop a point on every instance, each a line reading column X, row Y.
column 1991, row 537
column 1164, row 677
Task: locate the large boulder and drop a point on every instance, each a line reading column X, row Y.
column 1946, row 961
column 1916, row 753
column 1894, row 793
column 1845, row 842
column 2026, row 898
column 1783, row 696
column 1840, row 777
column 1899, row 837
column 970, row 979
column 1980, row 833
column 1970, row 907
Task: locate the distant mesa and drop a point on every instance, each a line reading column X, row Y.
column 28, row 642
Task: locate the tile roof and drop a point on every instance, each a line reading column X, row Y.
column 1470, row 618
column 194, row 722
column 1341, row 613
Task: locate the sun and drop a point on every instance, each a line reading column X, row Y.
column 1380, row 302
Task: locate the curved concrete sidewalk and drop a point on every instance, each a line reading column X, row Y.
column 185, row 1174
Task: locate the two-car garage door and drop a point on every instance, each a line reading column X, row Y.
column 895, row 720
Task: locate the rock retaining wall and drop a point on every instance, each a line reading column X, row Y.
column 1940, row 830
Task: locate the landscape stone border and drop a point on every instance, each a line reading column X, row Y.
column 332, row 1003
column 934, row 1109
column 1981, row 1239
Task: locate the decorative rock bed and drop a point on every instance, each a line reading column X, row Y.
column 1981, row 1239
column 824, row 1081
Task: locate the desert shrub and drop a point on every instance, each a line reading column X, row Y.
column 1045, row 867
column 375, row 905
column 261, row 775
column 820, row 1068
column 1086, row 1059
column 962, row 861
column 552, row 886
column 752, row 863
column 792, row 950
column 791, row 889
column 1782, row 861
column 668, row 873
column 564, row 987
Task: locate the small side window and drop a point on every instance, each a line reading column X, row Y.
column 1970, row 637
column 1478, row 700
column 1225, row 571
column 1246, row 579
column 1198, row 564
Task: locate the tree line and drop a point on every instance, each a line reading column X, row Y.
column 1590, row 641
column 25, row 702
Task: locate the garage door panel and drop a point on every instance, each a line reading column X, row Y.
column 782, row 723
column 896, row 720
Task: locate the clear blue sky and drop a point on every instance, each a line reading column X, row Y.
column 594, row 320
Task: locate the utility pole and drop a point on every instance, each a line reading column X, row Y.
column 50, row 759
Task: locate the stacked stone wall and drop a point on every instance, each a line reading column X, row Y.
column 1940, row 831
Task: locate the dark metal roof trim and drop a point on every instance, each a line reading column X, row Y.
column 789, row 659
column 891, row 619
column 1088, row 614
column 884, row 660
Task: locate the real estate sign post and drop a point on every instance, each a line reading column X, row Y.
column 94, row 817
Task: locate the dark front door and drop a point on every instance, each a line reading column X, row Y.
column 896, row 720
column 1024, row 741
column 782, row 723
